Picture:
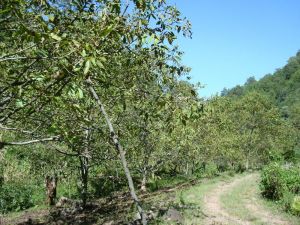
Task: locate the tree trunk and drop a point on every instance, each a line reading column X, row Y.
column 84, row 167
column 187, row 169
column 84, row 171
column 247, row 160
column 119, row 148
column 51, row 184
column 144, row 181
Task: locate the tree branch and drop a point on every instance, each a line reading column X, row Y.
column 54, row 138
column 65, row 153
column 16, row 129
column 11, row 54
column 36, row 58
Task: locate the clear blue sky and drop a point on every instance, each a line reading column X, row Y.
column 235, row 39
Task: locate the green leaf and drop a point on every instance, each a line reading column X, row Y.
column 87, row 67
column 55, row 37
column 103, row 59
column 51, row 17
column 83, row 53
column 93, row 60
column 107, row 30
column 80, row 93
column 19, row 104
column 99, row 63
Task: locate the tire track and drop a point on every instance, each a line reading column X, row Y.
column 216, row 214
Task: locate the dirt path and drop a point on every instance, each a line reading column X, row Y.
column 219, row 212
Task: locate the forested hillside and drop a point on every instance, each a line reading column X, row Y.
column 283, row 88
column 96, row 115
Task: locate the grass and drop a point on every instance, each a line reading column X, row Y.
column 235, row 200
column 232, row 201
column 277, row 209
column 166, row 182
column 16, row 217
column 193, row 198
column 248, row 191
column 190, row 200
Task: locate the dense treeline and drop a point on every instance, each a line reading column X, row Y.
column 92, row 93
column 282, row 87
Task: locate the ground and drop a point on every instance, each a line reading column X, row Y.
column 233, row 201
column 225, row 200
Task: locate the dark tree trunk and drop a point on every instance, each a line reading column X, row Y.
column 51, row 184
column 84, row 171
column 84, row 166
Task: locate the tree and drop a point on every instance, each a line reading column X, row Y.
column 263, row 132
column 65, row 44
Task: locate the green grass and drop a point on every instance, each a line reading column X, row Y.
column 166, row 182
column 248, row 191
column 235, row 200
column 232, row 201
column 194, row 198
column 277, row 209
column 190, row 201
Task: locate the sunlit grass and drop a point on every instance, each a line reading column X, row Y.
column 234, row 203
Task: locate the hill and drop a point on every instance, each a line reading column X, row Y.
column 282, row 87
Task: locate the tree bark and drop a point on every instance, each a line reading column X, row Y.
column 119, row 148
column 144, row 181
column 54, row 138
column 247, row 163
column 84, row 171
column 51, row 183
column 84, row 166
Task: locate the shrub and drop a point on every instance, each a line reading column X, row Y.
column 104, row 185
column 15, row 197
column 282, row 183
column 295, row 206
column 287, row 200
column 211, row 170
column 277, row 179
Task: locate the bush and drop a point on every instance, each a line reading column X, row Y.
column 282, row 183
column 104, row 185
column 211, row 170
column 277, row 180
column 287, row 200
column 15, row 197
column 296, row 205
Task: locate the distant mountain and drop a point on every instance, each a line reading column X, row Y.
column 283, row 88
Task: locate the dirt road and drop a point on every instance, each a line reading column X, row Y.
column 238, row 202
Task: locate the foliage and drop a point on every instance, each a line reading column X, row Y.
column 282, row 183
column 277, row 179
column 282, row 88
column 211, row 170
column 16, row 197
column 54, row 52
column 296, row 205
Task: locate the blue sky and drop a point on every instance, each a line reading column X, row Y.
column 236, row 39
